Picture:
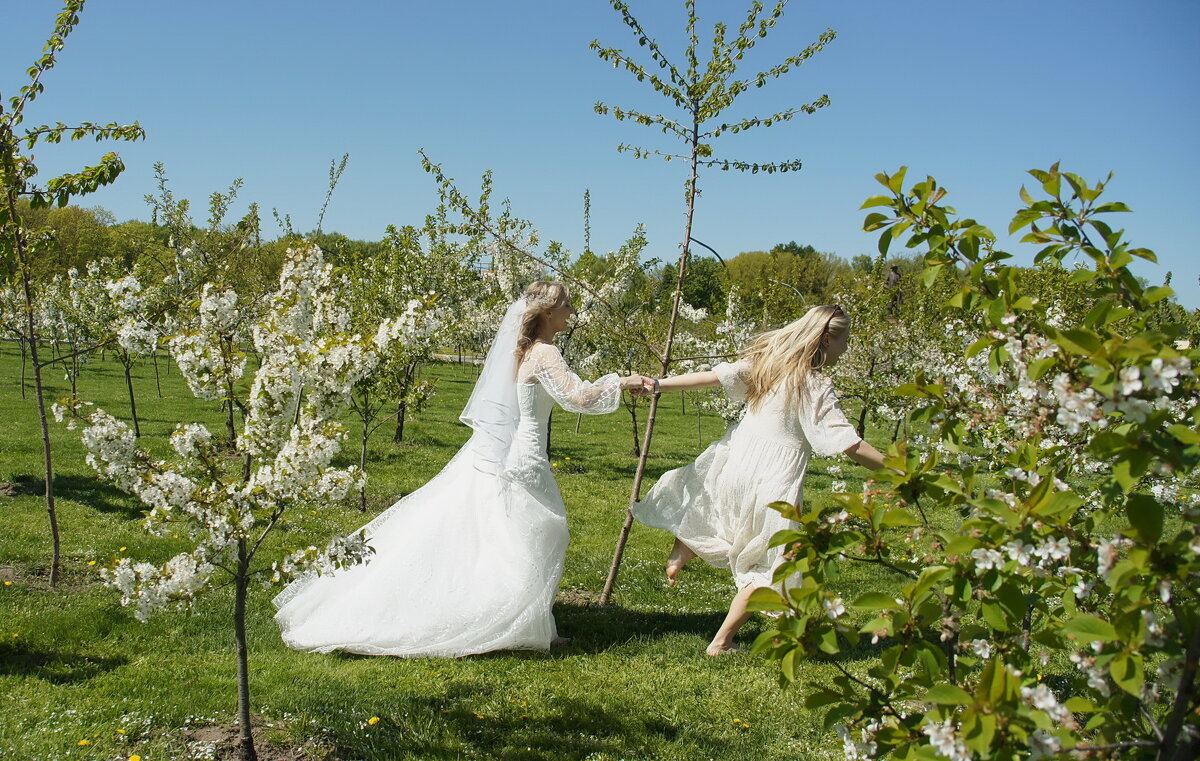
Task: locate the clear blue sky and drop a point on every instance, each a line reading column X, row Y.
column 973, row 93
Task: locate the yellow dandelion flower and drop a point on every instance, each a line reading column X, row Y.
column 84, row 742
column 373, row 720
column 8, row 583
column 566, row 458
column 135, row 757
column 120, row 731
column 122, row 549
column 91, row 562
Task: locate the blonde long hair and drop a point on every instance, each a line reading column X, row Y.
column 540, row 297
column 790, row 354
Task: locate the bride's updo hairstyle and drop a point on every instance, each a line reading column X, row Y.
column 790, row 354
column 540, row 297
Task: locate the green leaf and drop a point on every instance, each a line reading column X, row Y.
column 766, row 598
column 1087, row 628
column 1145, row 516
column 788, row 665
column 1126, row 671
column 1184, row 434
column 978, row 730
column 948, row 695
column 876, row 201
column 876, row 601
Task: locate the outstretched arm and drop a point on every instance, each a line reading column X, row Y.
column 689, row 381
column 865, row 455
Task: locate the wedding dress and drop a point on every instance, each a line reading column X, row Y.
column 471, row 561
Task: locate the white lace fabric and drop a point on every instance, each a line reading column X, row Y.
column 544, row 364
column 471, row 561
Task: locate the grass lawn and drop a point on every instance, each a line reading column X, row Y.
column 82, row 679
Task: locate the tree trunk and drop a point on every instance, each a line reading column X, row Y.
column 24, row 352
column 578, row 421
column 362, row 465
column 862, row 420
column 637, row 451
column 39, row 391
column 636, row 491
column 127, row 361
column 157, row 380
column 245, row 742
column 896, row 430
column 682, row 403
column 699, row 437
column 401, row 409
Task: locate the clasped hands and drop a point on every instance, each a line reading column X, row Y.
column 638, row 385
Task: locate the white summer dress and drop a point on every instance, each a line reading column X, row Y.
column 717, row 505
column 468, row 563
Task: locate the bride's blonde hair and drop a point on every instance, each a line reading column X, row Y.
column 540, row 297
column 790, row 354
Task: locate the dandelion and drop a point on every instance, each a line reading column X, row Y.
column 135, row 757
column 8, row 583
column 91, row 562
column 373, row 720
column 83, row 743
column 122, row 549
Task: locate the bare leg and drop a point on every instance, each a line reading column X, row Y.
column 681, row 555
column 737, row 615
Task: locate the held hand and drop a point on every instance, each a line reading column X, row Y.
column 633, row 384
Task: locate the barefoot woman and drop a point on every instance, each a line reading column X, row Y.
column 717, row 506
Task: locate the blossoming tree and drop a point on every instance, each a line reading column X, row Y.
column 1054, row 610
column 309, row 363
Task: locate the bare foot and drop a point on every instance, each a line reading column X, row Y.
column 716, row 648
column 681, row 555
column 560, row 642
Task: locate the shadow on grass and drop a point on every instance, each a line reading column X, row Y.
column 441, row 727
column 50, row 666
column 86, row 490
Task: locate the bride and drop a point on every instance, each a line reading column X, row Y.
column 471, row 561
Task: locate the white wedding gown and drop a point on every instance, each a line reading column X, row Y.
column 471, row 561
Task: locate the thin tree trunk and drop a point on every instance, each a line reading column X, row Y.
column 896, row 431
column 24, row 352
column 128, row 362
column 636, row 491
column 230, row 426
column 637, row 451
column 682, row 403
column 39, row 391
column 362, row 465
column 157, row 380
column 578, row 421
column 862, row 420
column 241, row 585
column 401, row 409
column 699, row 438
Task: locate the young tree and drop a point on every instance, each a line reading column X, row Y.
column 23, row 246
column 1057, row 615
column 700, row 95
column 310, row 361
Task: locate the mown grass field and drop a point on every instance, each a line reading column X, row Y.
column 81, row 679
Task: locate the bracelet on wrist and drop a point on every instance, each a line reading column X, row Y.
column 656, row 385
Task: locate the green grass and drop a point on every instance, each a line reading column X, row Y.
column 75, row 665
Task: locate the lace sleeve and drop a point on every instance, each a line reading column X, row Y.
column 733, row 379
column 825, row 425
column 548, row 368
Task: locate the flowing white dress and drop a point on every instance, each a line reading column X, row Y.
column 470, row 562
column 717, row 505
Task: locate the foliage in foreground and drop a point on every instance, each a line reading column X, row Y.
column 1055, row 621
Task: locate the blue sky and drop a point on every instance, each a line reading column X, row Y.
column 972, row 93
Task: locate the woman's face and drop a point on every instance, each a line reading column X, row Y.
column 556, row 318
column 835, row 346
